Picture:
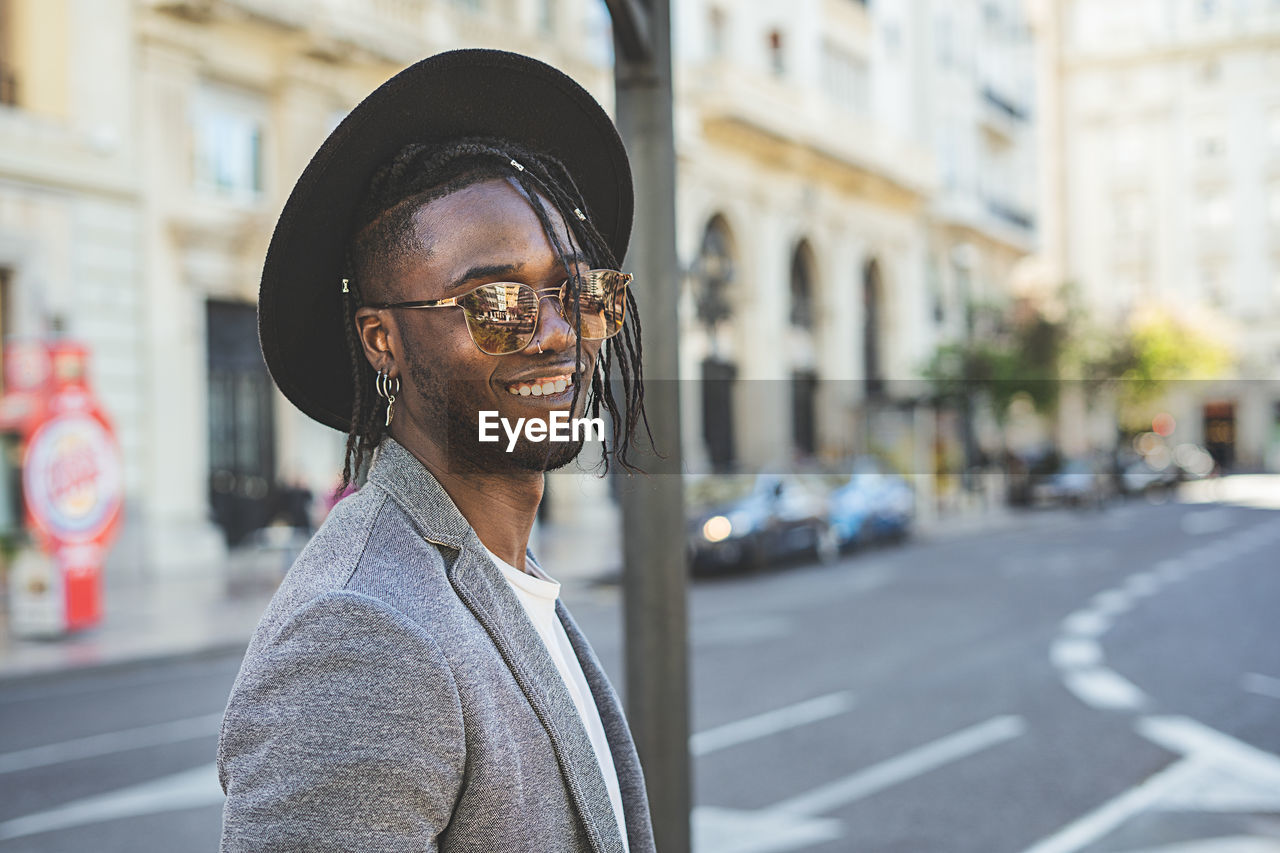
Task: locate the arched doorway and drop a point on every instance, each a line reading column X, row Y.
column 804, row 373
column 872, row 320
column 714, row 272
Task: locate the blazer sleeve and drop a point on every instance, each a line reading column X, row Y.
column 344, row 731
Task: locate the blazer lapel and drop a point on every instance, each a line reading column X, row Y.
column 490, row 598
column 626, row 762
column 481, row 586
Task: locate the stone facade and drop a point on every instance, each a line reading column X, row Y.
column 1162, row 187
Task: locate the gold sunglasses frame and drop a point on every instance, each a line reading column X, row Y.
column 558, row 291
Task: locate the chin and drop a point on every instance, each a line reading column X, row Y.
column 542, row 456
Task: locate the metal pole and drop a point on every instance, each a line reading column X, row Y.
column 654, row 577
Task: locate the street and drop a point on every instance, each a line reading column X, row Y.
column 1078, row 681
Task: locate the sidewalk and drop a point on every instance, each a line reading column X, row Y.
column 146, row 619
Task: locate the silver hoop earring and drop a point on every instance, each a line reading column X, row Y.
column 387, row 391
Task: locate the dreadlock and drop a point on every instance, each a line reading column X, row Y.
column 383, row 233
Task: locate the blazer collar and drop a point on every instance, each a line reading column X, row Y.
column 481, row 586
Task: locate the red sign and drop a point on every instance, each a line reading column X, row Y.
column 72, row 475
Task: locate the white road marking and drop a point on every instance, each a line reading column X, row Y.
column 1143, row 584
column 1112, row 602
column 1185, row 736
column 110, row 743
column 771, row 722
column 1171, row 570
column 1087, row 623
column 1207, row 521
column 1068, row 652
column 741, row 630
column 902, row 768
column 1100, row 687
column 1263, row 685
column 187, row 790
column 1094, row 825
column 1237, row 844
column 717, row 830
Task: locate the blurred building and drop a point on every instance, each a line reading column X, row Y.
column 146, row 148
column 852, row 176
column 1162, row 186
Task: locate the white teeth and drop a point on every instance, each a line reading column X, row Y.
column 543, row 388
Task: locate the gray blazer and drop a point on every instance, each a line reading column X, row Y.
column 395, row 697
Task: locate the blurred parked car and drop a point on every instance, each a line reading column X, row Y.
column 780, row 516
column 872, row 506
column 1076, row 483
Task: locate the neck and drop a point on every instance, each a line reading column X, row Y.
column 500, row 506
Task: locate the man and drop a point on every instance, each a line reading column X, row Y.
column 415, row 684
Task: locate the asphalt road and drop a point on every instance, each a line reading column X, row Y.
column 1091, row 682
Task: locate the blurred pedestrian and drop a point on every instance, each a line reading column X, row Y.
column 415, row 683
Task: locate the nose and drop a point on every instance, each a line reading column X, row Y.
column 555, row 330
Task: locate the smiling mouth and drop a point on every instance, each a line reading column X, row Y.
column 542, row 386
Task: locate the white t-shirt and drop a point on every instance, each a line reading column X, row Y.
column 538, row 594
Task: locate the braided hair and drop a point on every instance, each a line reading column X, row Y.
column 420, row 173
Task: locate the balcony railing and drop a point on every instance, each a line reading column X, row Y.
column 1010, row 214
column 1003, row 104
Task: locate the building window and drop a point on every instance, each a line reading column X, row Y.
column 1212, row 287
column 802, row 289
column 717, row 27
column 1215, row 211
column 1210, row 139
column 1128, row 142
column 547, row 16
column 777, row 58
column 846, row 79
column 228, row 150
column 8, row 69
column 1131, row 214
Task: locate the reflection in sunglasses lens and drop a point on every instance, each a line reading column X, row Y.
column 503, row 316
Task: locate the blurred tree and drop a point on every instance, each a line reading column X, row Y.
column 1030, row 346
column 1139, row 362
column 1014, row 351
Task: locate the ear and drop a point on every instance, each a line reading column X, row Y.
column 378, row 335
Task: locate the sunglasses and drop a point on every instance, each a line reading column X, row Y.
column 502, row 316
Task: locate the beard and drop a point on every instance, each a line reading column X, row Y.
column 452, row 411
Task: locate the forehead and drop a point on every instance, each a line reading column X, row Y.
column 491, row 223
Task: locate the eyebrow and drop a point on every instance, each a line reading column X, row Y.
column 495, row 270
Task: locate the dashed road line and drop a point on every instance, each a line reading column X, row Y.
column 796, row 822
column 186, row 790
column 902, row 768
column 110, row 743
column 1262, row 685
column 771, row 722
column 1215, row 771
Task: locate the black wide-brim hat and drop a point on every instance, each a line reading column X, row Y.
column 448, row 96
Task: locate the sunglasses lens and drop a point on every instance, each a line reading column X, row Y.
column 501, row 317
column 603, row 302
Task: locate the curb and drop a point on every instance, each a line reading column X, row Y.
column 37, row 675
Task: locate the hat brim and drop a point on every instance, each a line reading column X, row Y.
column 448, row 96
